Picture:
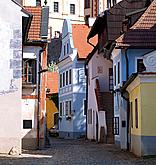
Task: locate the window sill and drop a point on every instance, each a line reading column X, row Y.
column 28, row 85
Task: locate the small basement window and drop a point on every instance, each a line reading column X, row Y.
column 27, row 124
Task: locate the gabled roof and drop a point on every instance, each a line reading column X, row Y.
column 143, row 33
column 35, row 28
column 79, row 34
column 112, row 19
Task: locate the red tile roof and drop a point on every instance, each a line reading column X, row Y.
column 143, row 33
column 80, row 33
column 35, row 28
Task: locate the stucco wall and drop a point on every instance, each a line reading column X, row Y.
column 11, row 71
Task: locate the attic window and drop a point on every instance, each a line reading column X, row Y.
column 140, row 65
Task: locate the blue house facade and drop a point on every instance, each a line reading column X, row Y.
column 72, row 86
column 125, row 62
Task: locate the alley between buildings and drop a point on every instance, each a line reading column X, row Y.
column 76, row 152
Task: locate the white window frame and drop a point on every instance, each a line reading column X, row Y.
column 115, row 74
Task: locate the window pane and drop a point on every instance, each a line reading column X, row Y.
column 60, row 109
column 70, row 108
column 72, row 8
column 66, row 77
column 66, row 108
column 140, row 65
column 56, row 7
column 110, row 79
column 27, row 124
column 60, row 80
column 63, row 79
column 115, row 75
column 70, row 74
column 118, row 72
column 85, row 106
column 136, row 113
column 116, row 125
column 131, row 113
column 90, row 116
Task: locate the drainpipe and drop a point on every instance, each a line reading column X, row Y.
column 38, row 97
column 86, row 73
column 127, row 76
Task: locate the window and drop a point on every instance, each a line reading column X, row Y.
column 110, row 3
column 131, row 113
column 70, row 75
column 136, row 113
column 72, row 8
column 140, row 65
column 56, row 7
column 115, row 75
column 64, row 50
column 67, row 48
column 63, row 79
column 110, row 79
column 66, row 77
column 89, row 116
column 38, row 2
column 27, row 124
column 85, row 107
column 87, row 3
column 29, row 71
column 61, row 109
column 66, row 107
column 70, row 107
column 116, row 125
column 118, row 72
column 60, row 80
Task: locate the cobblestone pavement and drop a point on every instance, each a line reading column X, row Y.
column 76, row 152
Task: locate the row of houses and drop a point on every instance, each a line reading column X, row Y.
column 23, row 65
column 118, row 74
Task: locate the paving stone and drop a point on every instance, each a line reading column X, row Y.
column 76, row 152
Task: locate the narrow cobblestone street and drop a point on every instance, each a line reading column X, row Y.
column 76, row 152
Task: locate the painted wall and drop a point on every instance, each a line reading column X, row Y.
column 75, row 127
column 143, row 138
column 51, row 109
column 120, row 104
column 11, row 71
column 98, row 68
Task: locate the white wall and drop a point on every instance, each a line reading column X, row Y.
column 11, row 81
column 98, row 69
column 56, row 19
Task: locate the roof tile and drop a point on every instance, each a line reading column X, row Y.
column 80, row 33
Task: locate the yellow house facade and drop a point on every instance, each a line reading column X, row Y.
column 51, row 111
column 142, row 127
